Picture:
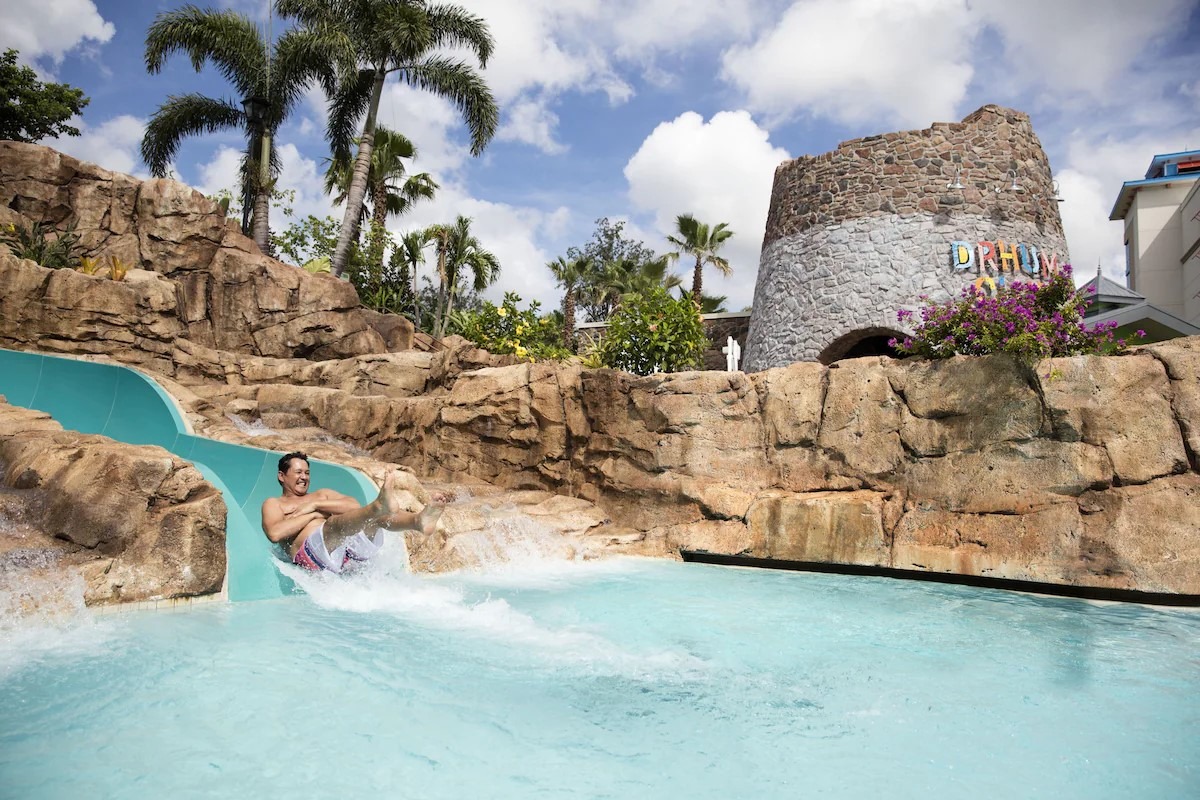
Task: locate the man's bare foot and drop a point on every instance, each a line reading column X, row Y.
column 389, row 498
column 427, row 520
column 442, row 497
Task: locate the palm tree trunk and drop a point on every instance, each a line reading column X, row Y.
column 698, row 282
column 378, row 220
column 569, row 320
column 262, row 230
column 357, row 193
column 441, row 299
column 262, row 196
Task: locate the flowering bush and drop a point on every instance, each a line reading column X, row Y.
column 1025, row 320
column 506, row 329
column 652, row 331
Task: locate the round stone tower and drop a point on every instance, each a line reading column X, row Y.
column 855, row 234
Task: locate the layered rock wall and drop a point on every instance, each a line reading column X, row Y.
column 194, row 275
column 1083, row 472
column 855, row 234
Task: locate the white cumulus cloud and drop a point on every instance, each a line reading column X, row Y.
column 905, row 61
column 51, row 27
column 720, row 171
column 113, row 144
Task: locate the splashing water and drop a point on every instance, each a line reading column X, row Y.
column 42, row 611
column 511, row 541
column 254, row 427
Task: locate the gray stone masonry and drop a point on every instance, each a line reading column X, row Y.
column 855, row 234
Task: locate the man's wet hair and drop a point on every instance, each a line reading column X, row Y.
column 286, row 462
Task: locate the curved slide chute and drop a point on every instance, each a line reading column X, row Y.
column 129, row 407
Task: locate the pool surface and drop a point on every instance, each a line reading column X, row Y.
column 622, row 679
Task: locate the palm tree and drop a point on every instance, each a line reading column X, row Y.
column 570, row 276
column 709, row 304
column 626, row 276
column 269, row 77
column 410, row 255
column 458, row 249
column 375, row 38
column 698, row 239
column 391, row 190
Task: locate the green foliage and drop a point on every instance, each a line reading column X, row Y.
column 507, row 329
column 611, row 261
column 1025, row 320
column 31, row 110
column 309, row 239
column 36, row 244
column 653, row 332
column 697, row 239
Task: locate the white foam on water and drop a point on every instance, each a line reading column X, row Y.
column 254, row 427
column 42, row 613
column 443, row 602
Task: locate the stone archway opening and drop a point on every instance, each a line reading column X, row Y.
column 859, row 343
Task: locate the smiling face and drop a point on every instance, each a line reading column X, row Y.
column 295, row 479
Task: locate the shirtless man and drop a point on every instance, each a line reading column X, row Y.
column 326, row 530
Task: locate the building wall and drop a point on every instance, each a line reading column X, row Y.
column 1189, row 228
column 855, row 234
column 1156, row 272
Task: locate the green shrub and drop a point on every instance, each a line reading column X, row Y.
column 653, row 332
column 1028, row 321
column 507, row 329
column 35, row 244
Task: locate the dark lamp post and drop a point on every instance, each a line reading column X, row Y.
column 256, row 112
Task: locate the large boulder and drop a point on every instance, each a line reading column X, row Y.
column 222, row 292
column 138, row 523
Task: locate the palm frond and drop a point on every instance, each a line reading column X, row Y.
column 228, row 39
column 454, row 26
column 463, row 86
column 347, row 105
column 180, row 117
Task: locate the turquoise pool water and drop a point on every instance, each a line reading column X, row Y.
column 623, row 679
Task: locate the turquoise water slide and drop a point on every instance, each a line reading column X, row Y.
column 127, row 406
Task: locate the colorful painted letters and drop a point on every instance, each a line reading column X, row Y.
column 1001, row 258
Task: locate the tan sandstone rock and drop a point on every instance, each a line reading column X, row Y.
column 1120, row 404
column 151, row 526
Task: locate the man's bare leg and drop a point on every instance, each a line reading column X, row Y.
column 373, row 515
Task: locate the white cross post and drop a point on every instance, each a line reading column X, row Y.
column 733, row 354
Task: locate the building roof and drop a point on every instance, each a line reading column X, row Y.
column 1159, row 325
column 1103, row 290
column 1165, row 169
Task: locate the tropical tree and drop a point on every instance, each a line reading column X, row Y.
column 458, row 250
column 709, row 304
column 268, row 77
column 31, row 110
column 608, row 284
column 390, row 189
column 408, row 256
column 373, row 39
column 570, row 275
column 697, row 239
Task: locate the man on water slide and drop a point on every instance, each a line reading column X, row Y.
column 328, row 530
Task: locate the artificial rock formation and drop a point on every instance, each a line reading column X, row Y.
column 1081, row 472
column 856, row 233
column 136, row 522
column 194, row 276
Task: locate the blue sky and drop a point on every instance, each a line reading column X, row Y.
column 645, row 109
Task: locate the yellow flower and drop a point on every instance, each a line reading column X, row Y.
column 502, row 311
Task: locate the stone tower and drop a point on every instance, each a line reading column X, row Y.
column 855, row 234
